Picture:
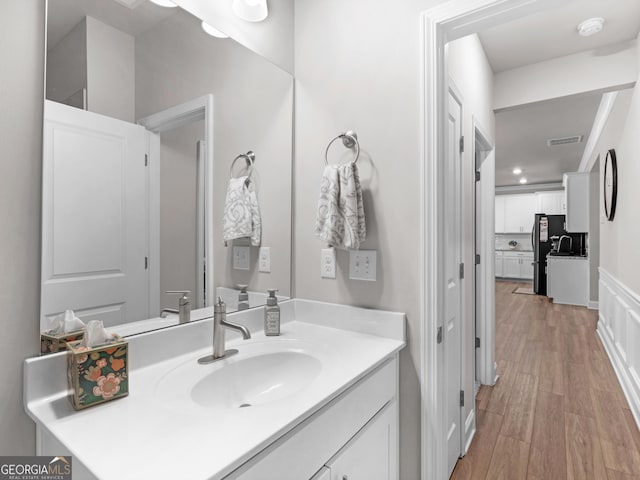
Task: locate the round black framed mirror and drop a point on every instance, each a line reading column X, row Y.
column 610, row 184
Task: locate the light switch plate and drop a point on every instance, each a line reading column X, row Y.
column 240, row 258
column 264, row 259
column 362, row 265
column 328, row 263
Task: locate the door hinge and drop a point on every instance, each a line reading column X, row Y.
column 461, row 271
column 462, row 144
column 477, row 259
column 462, row 398
column 477, row 175
column 146, row 263
column 477, row 342
column 439, row 336
column 146, row 160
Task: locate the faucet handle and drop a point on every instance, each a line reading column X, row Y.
column 179, row 292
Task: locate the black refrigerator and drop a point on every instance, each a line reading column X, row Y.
column 544, row 227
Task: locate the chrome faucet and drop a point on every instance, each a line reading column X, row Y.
column 184, row 306
column 219, row 325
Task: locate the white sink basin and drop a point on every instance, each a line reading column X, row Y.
column 256, row 380
column 260, row 373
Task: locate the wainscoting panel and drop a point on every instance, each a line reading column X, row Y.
column 619, row 329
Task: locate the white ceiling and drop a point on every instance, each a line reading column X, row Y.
column 522, row 134
column 63, row 15
column 553, row 34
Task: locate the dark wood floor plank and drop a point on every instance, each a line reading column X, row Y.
column 476, row 461
column 509, row 460
column 519, row 415
column 583, row 451
column 547, row 457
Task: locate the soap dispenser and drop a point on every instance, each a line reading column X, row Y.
column 243, row 297
column 272, row 315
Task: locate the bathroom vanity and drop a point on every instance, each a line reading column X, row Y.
column 320, row 401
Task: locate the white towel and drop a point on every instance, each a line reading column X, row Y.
column 241, row 212
column 340, row 219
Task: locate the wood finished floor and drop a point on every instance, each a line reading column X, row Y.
column 557, row 411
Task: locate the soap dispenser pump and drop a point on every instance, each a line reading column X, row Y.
column 243, row 297
column 272, row 314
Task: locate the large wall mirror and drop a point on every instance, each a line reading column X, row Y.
column 148, row 118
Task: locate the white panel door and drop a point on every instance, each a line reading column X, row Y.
column 94, row 217
column 453, row 259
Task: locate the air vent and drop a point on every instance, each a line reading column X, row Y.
column 132, row 4
column 552, row 142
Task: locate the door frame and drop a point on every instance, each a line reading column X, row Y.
column 200, row 108
column 439, row 25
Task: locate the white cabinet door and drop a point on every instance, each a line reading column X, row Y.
column 577, row 199
column 510, row 266
column 568, row 280
column 371, row 454
column 528, row 207
column 526, row 267
column 498, row 260
column 499, row 218
column 519, row 213
column 551, row 203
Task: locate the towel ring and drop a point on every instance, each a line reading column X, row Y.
column 349, row 140
column 249, row 157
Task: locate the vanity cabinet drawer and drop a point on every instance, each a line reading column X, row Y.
column 302, row 452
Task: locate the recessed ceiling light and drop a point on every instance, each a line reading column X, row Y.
column 523, row 180
column 164, row 3
column 591, row 26
column 517, row 171
column 214, row 32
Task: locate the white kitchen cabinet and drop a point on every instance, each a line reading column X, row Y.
column 519, row 211
column 551, row 203
column 369, row 455
column 499, row 217
column 568, row 280
column 576, row 189
column 498, row 268
column 516, row 265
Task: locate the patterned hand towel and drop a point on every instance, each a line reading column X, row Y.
column 241, row 212
column 340, row 219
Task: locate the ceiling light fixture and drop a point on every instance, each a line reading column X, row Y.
column 214, row 32
column 591, row 26
column 250, row 10
column 523, row 180
column 517, row 171
column 164, row 3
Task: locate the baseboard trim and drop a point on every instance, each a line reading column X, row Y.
column 592, row 305
column 469, row 430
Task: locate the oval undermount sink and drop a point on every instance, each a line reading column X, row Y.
column 256, row 380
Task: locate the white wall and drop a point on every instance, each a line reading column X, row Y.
column 67, row 64
column 110, row 71
column 593, row 70
column 594, row 233
column 471, row 73
column 357, row 68
column 21, row 101
column 175, row 62
column 271, row 38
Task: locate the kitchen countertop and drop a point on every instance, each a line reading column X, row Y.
column 567, row 257
column 517, row 250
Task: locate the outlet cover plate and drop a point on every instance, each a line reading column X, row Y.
column 241, row 258
column 362, row 265
column 328, row 263
column 264, row 259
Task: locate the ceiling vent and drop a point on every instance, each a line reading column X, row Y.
column 552, row 142
column 132, row 4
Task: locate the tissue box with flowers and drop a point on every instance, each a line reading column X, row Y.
column 97, row 374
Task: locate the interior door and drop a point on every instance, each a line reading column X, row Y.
column 94, row 217
column 453, row 261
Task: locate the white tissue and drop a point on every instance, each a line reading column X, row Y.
column 66, row 322
column 95, row 334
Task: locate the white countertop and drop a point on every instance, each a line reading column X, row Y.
column 566, row 257
column 129, row 438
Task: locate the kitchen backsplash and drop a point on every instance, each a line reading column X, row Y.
column 523, row 239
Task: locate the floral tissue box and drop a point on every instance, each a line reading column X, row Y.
column 97, row 374
column 53, row 343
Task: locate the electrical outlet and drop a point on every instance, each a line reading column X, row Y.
column 362, row 265
column 264, row 259
column 328, row 263
column 240, row 258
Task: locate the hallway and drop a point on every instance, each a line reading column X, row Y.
column 557, row 410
